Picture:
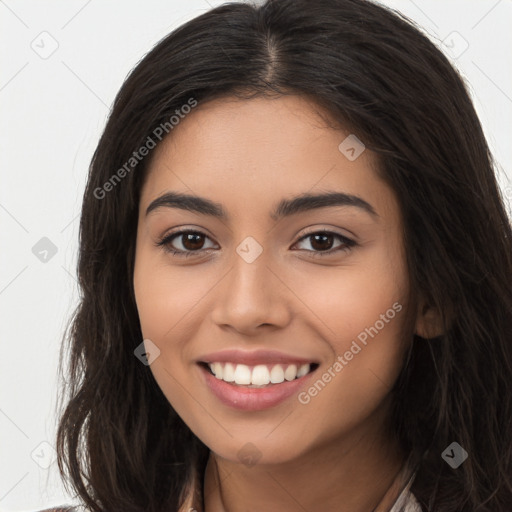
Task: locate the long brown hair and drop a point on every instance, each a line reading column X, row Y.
column 121, row 445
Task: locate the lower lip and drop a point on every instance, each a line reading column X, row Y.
column 253, row 399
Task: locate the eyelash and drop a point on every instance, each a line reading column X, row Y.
column 164, row 243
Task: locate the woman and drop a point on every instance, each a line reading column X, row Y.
column 295, row 266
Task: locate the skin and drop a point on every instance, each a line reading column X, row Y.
column 247, row 155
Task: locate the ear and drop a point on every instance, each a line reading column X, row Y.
column 428, row 321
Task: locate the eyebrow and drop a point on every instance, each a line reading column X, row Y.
column 286, row 207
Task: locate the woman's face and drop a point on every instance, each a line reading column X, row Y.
column 265, row 283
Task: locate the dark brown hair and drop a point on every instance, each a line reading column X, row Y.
column 121, row 445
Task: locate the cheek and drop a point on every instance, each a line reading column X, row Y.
column 362, row 313
column 165, row 297
column 168, row 303
column 347, row 300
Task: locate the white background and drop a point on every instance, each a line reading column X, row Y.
column 53, row 111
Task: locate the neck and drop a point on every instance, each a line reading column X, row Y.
column 361, row 470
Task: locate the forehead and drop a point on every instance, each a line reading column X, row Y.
column 231, row 127
column 251, row 152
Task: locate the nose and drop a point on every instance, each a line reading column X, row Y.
column 251, row 297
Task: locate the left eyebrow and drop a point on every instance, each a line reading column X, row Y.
column 306, row 202
column 286, row 207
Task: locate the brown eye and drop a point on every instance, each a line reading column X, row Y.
column 322, row 243
column 191, row 242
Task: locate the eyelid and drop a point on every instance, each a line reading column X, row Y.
column 329, row 230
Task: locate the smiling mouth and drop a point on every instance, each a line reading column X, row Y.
column 258, row 376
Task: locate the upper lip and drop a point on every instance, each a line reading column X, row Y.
column 254, row 357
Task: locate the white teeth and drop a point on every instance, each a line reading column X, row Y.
column 242, row 374
column 229, row 373
column 277, row 374
column 217, row 370
column 290, row 372
column 258, row 375
column 303, row 370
